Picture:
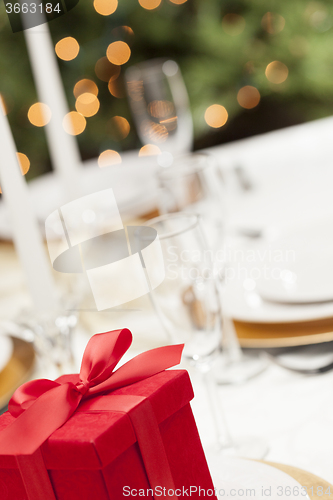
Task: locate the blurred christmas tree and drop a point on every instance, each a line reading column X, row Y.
column 249, row 66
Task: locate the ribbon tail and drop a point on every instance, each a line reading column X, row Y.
column 144, row 365
column 49, row 412
column 152, row 449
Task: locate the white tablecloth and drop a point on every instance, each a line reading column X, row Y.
column 292, row 174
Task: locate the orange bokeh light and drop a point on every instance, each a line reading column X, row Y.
column 83, row 86
column 118, row 53
column 216, row 116
column 24, row 162
column 109, row 158
column 87, row 104
column 120, row 127
column 248, row 97
column 39, row 114
column 67, row 48
column 74, row 123
column 149, row 4
column 154, row 131
column 116, row 88
column 105, row 70
column 149, row 150
column 128, row 30
column 276, row 72
column 105, row 7
column 3, row 105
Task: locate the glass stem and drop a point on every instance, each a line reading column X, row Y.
column 223, row 437
column 230, row 343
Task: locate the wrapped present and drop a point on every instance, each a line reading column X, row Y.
column 105, row 433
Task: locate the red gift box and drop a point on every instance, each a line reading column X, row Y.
column 139, row 439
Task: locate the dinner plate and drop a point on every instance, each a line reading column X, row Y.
column 133, row 182
column 241, row 478
column 242, row 301
column 304, row 271
column 6, row 349
column 251, row 263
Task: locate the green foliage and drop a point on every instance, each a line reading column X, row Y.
column 217, row 58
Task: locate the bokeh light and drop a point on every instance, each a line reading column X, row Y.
column 39, row 114
column 233, row 24
column 154, row 131
column 161, row 109
column 119, row 127
column 318, row 16
column 118, row 53
column 67, row 49
column 109, row 158
column 83, row 86
column 149, row 150
column 105, row 7
column 74, row 123
column 24, row 162
column 276, row 72
column 128, row 30
column 87, row 104
column 3, row 105
column 248, row 97
column 273, row 23
column 178, row 2
column 123, row 32
column 216, row 116
column 116, row 88
column 149, row 4
column 135, row 90
column 105, row 70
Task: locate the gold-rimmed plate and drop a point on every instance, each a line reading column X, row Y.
column 316, row 488
column 270, row 335
column 18, row 369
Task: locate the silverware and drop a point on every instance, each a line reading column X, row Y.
column 275, row 359
column 243, row 178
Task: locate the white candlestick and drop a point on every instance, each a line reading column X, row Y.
column 26, row 235
column 63, row 147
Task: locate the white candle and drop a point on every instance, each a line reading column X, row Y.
column 63, row 147
column 26, row 235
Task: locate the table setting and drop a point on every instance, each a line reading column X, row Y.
column 166, row 307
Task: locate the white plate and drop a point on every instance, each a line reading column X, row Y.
column 305, row 273
column 242, row 300
column 133, row 182
column 6, row 350
column 240, row 478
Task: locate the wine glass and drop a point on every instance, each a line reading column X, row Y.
column 188, row 306
column 193, row 183
column 160, row 106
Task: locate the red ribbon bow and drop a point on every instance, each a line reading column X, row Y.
column 42, row 406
